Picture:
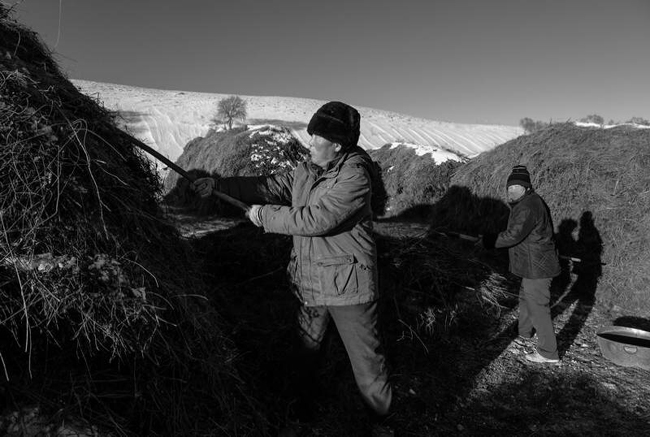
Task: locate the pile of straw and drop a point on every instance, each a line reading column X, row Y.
column 99, row 300
column 241, row 151
column 410, row 183
column 73, row 200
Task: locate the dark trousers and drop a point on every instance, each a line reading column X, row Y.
column 357, row 327
column 535, row 312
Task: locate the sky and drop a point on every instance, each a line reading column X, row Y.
column 464, row 61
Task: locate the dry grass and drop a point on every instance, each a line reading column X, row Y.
column 92, row 317
column 410, row 183
column 65, row 210
column 237, row 152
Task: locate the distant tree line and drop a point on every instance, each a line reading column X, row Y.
column 639, row 120
column 529, row 125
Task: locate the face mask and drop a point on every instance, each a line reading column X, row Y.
column 515, row 193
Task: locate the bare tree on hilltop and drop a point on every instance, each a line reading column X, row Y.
column 230, row 109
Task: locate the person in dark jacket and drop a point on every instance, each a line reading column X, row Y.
column 533, row 257
column 324, row 203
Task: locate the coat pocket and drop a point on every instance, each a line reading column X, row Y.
column 338, row 274
column 546, row 264
column 293, row 271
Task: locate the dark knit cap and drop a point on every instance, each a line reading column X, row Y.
column 336, row 122
column 519, row 176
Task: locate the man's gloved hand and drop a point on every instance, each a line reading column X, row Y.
column 204, row 187
column 488, row 240
column 254, row 215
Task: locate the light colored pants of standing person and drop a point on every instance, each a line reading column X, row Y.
column 357, row 327
column 535, row 312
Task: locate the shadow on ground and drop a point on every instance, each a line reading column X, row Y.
column 581, row 258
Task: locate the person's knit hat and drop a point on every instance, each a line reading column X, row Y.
column 336, row 122
column 519, row 176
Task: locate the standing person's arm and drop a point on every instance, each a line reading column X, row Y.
column 348, row 198
column 250, row 189
column 520, row 224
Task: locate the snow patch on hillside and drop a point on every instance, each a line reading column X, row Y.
column 438, row 155
column 609, row 126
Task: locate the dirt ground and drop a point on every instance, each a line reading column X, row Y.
column 471, row 380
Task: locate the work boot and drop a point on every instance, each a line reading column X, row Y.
column 535, row 357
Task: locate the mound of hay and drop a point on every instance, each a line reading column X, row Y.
column 596, row 183
column 411, row 183
column 260, row 151
column 100, row 303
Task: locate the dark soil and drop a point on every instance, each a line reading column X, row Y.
column 468, row 379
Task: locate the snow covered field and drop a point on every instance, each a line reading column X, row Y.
column 167, row 120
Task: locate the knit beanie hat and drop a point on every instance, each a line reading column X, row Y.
column 519, row 176
column 336, row 122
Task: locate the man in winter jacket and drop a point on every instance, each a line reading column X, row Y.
column 533, row 257
column 324, row 203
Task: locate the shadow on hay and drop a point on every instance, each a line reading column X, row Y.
column 481, row 336
column 581, row 291
column 461, row 211
column 246, row 270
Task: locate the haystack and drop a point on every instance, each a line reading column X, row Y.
column 100, row 303
column 246, row 151
column 410, row 182
column 596, row 183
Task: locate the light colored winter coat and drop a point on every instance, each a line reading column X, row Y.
column 328, row 213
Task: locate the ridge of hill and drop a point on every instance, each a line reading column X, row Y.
column 168, row 120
